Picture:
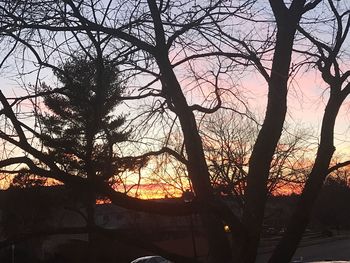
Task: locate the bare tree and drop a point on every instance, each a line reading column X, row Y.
column 228, row 142
column 328, row 64
column 183, row 59
column 145, row 42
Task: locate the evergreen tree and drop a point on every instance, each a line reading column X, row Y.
column 80, row 126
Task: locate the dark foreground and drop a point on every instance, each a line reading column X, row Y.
column 333, row 248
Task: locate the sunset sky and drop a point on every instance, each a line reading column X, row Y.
column 306, row 105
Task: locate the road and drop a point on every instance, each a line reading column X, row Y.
column 325, row 249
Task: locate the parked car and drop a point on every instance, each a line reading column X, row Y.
column 151, row 259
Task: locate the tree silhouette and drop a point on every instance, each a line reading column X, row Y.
column 210, row 43
column 80, row 126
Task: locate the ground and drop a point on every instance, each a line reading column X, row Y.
column 330, row 248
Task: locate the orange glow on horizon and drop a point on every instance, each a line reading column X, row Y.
column 288, row 189
column 162, row 191
column 151, row 191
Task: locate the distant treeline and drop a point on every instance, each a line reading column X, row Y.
column 331, row 211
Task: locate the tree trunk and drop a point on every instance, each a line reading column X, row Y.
column 269, row 135
column 300, row 219
column 91, row 196
column 92, row 242
column 219, row 248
